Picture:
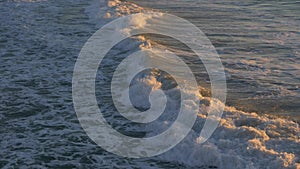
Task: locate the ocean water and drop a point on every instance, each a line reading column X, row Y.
column 258, row 42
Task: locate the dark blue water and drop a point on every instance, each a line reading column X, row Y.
column 258, row 42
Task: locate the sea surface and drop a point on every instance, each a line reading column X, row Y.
column 258, row 43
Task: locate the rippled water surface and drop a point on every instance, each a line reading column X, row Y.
column 258, row 42
column 39, row 44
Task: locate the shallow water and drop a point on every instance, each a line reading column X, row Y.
column 258, row 42
column 39, row 44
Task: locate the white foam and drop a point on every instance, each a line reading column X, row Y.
column 243, row 140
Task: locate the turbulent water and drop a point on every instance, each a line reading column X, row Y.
column 257, row 41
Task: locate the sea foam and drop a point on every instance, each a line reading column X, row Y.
column 242, row 140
